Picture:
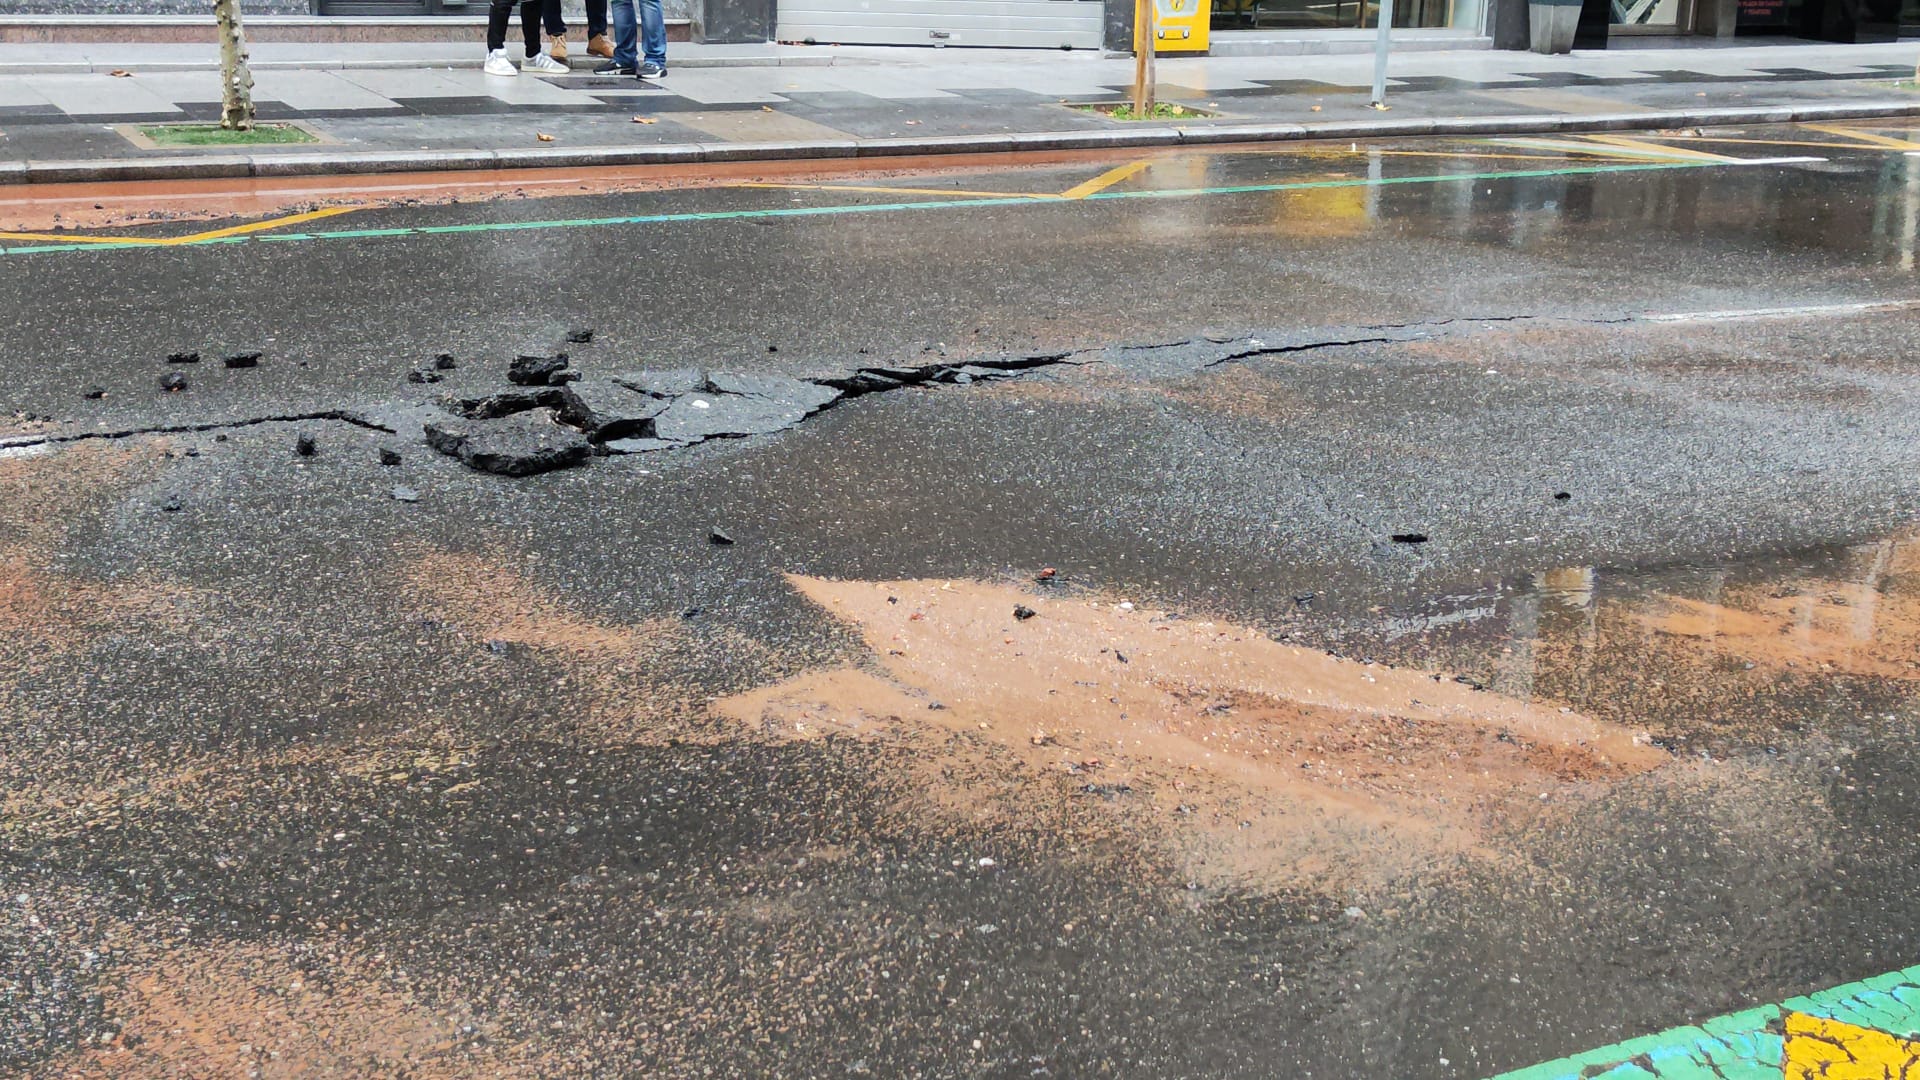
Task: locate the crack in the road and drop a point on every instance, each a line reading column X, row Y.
column 524, row 430
column 642, row 413
column 331, row 415
column 1307, row 346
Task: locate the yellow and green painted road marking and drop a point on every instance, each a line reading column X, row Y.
column 1084, row 194
column 1869, row 1030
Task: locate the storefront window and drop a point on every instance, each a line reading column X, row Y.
column 1333, row 14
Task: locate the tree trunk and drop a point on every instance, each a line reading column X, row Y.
column 236, row 82
column 1143, row 50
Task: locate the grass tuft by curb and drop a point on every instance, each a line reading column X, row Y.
column 215, row 135
column 1160, row 110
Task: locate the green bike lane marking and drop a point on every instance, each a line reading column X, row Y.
column 1753, row 1044
column 876, row 208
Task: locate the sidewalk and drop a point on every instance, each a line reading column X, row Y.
column 846, row 102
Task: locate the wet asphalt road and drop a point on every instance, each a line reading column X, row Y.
column 298, row 774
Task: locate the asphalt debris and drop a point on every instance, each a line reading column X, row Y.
column 305, row 446
column 445, row 362
column 580, row 336
column 1409, row 538
column 520, row 444
column 94, row 393
column 390, row 457
column 405, row 494
column 242, row 360
column 536, row 370
column 183, row 358
column 173, row 382
column 719, row 537
column 1022, row 612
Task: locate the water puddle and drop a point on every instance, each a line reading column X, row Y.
column 1756, row 655
column 1406, row 743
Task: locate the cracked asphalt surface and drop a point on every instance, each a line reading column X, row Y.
column 299, row 775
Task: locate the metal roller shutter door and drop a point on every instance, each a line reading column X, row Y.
column 1040, row 24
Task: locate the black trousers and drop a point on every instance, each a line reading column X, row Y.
column 596, row 18
column 498, row 12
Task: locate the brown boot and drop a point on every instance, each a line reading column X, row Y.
column 557, row 48
column 598, row 45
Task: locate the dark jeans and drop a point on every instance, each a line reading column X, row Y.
column 498, row 12
column 596, row 18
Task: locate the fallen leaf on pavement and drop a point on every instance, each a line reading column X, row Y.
column 120, row 74
column 543, row 136
column 645, row 120
column 913, row 121
column 766, row 108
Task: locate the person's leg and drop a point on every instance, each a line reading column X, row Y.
column 653, row 32
column 530, row 25
column 498, row 12
column 550, row 12
column 596, row 18
column 626, row 34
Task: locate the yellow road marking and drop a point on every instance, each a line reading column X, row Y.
column 1105, row 180
column 883, row 190
column 270, row 223
column 1753, row 142
column 69, row 238
column 1822, row 1049
column 1079, row 191
column 1448, row 154
column 171, row 241
column 1655, row 149
column 1867, row 137
column 1616, row 148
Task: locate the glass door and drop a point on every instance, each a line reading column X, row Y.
column 1651, row 16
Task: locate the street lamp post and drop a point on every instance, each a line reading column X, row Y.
column 1380, row 46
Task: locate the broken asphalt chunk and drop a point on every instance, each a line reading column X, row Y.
column 405, row 494
column 580, row 336
column 522, row 444
column 606, row 410
column 445, row 362
column 505, row 403
column 731, row 406
column 183, row 358
column 242, row 360
column 389, row 457
column 1022, row 612
column 672, row 383
column 173, row 383
column 637, row 446
column 718, row 537
column 94, row 393
column 304, row 445
column 535, row 370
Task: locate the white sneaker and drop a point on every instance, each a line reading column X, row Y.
column 543, row 62
column 498, row 63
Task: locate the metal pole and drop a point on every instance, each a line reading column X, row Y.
column 1380, row 54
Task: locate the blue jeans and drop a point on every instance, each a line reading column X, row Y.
column 652, row 29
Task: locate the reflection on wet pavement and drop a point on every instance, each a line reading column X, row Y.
column 1710, row 658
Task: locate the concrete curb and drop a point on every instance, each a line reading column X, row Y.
column 330, row 162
